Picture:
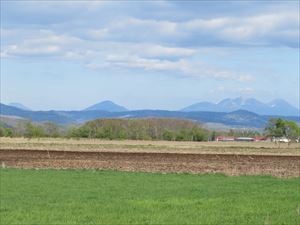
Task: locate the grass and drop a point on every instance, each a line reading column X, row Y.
column 149, row 146
column 109, row 197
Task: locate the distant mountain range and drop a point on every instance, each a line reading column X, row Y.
column 19, row 105
column 239, row 118
column 108, row 106
column 275, row 107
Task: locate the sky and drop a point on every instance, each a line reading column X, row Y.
column 68, row 55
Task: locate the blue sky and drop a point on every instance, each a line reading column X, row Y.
column 148, row 54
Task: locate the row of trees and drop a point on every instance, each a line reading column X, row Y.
column 142, row 129
column 146, row 129
column 243, row 133
column 32, row 130
column 135, row 129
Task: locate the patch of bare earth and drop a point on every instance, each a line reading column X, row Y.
column 230, row 164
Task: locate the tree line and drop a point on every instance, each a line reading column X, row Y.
column 134, row 129
column 142, row 129
column 32, row 130
column 146, row 129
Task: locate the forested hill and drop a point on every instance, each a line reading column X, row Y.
column 239, row 118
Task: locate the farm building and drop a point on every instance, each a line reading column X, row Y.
column 224, row 138
column 262, row 139
column 244, row 139
column 281, row 139
column 249, row 139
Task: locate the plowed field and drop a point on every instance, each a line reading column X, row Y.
column 230, row 164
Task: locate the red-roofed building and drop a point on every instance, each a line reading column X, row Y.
column 261, row 139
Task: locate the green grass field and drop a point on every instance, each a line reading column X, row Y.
column 108, row 197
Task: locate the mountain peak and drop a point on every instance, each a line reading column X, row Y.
column 278, row 101
column 106, row 102
column 231, row 104
column 19, row 106
column 108, row 106
column 275, row 107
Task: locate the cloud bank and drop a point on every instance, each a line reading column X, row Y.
column 112, row 34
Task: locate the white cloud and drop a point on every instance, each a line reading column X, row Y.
column 161, row 26
column 246, row 90
column 260, row 27
column 150, row 37
column 72, row 46
column 246, row 78
column 97, row 34
column 182, row 66
column 269, row 24
column 198, row 24
column 258, row 30
column 43, row 43
column 131, row 61
column 154, row 50
column 21, row 51
column 144, row 56
column 149, row 44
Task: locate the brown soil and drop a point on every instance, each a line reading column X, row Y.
column 230, row 164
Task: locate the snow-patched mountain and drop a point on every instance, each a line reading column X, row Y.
column 108, row 106
column 279, row 105
column 275, row 107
